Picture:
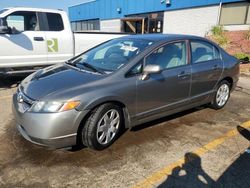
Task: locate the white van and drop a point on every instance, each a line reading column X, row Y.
column 31, row 38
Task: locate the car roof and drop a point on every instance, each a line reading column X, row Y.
column 161, row 37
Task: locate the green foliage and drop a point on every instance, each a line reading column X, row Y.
column 248, row 35
column 218, row 35
column 242, row 56
column 217, row 30
column 222, row 40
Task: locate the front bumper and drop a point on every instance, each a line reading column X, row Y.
column 56, row 130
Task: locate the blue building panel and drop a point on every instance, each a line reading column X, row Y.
column 107, row 9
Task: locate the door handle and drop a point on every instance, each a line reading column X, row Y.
column 183, row 75
column 38, row 39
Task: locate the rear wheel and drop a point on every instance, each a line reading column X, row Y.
column 102, row 127
column 222, row 95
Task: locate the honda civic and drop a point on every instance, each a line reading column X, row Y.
column 119, row 84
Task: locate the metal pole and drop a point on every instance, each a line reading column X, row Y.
column 219, row 13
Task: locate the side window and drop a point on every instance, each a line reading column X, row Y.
column 137, row 69
column 203, row 51
column 55, row 22
column 169, row 56
column 22, row 21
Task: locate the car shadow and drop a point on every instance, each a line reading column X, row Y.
column 244, row 132
column 167, row 118
column 237, row 174
column 8, row 82
column 146, row 125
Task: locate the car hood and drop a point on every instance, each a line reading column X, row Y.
column 56, row 79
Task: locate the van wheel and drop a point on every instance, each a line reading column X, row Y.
column 222, row 95
column 102, row 127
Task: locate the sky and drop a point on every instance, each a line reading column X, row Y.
column 54, row 4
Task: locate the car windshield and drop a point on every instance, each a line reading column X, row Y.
column 111, row 56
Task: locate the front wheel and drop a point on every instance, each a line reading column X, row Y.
column 102, row 127
column 222, row 95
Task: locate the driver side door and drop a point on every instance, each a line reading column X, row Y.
column 168, row 89
column 25, row 44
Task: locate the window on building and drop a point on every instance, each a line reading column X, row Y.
column 86, row 25
column 55, row 22
column 78, row 26
column 248, row 15
column 240, row 12
column 169, row 56
column 203, row 51
column 143, row 23
column 73, row 26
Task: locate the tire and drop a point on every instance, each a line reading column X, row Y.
column 221, row 96
column 100, row 130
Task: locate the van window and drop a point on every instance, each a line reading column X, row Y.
column 22, row 21
column 55, row 22
column 203, row 51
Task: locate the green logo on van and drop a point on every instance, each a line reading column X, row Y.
column 52, row 45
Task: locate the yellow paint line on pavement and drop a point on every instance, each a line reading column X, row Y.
column 163, row 173
column 5, row 97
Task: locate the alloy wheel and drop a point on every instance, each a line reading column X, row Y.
column 108, row 127
column 222, row 95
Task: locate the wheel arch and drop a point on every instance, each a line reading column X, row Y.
column 91, row 108
column 229, row 80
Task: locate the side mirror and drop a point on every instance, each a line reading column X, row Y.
column 150, row 69
column 3, row 26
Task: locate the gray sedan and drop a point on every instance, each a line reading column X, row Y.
column 120, row 84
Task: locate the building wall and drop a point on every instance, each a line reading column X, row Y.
column 110, row 25
column 193, row 21
column 107, row 9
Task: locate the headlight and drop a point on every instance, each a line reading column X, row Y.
column 51, row 107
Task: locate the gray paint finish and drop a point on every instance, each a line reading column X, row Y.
column 143, row 100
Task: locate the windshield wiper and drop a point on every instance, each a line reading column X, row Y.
column 92, row 67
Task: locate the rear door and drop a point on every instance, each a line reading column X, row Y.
column 25, row 44
column 59, row 38
column 207, row 68
column 168, row 89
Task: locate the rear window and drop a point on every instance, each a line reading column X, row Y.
column 55, row 22
column 203, row 51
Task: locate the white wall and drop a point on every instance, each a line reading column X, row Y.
column 236, row 27
column 111, row 25
column 193, row 21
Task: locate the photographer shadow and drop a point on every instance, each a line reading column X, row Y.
column 190, row 175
